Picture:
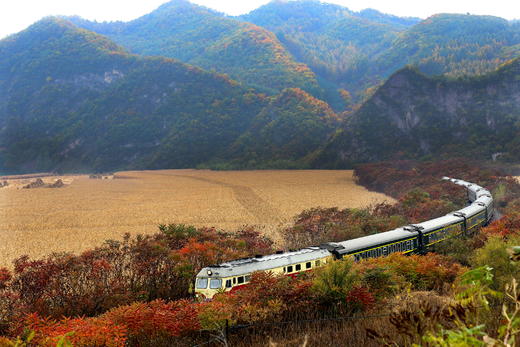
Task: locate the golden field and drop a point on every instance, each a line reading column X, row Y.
column 85, row 212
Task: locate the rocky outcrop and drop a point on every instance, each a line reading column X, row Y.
column 413, row 116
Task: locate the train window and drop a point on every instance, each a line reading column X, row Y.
column 248, row 278
column 234, row 280
column 241, row 280
column 308, row 265
column 228, row 284
column 298, row 267
column 284, row 269
column 317, row 263
column 202, row 283
column 289, row 268
column 215, row 283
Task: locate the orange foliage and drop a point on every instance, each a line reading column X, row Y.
column 428, row 272
column 78, row 331
column 156, row 318
column 504, row 227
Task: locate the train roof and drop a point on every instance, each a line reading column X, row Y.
column 263, row 263
column 439, row 222
column 374, row 240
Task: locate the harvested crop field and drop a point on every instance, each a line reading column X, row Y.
column 83, row 212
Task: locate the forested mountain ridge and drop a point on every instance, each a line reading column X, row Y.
column 453, row 44
column 73, row 100
column 415, row 116
column 286, row 133
column 356, row 51
column 318, row 47
column 335, row 42
column 203, row 37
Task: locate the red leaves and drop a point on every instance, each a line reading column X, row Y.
column 361, row 298
column 268, row 296
column 157, row 318
column 144, row 268
column 428, row 272
column 506, row 226
column 399, row 177
column 78, row 331
column 5, row 277
column 139, row 321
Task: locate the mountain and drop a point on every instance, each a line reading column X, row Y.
column 453, row 44
column 358, row 50
column 202, row 37
column 74, row 100
column 333, row 41
column 286, row 133
column 415, row 116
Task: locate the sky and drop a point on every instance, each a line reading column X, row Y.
column 16, row 15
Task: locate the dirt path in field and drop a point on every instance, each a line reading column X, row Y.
column 252, row 202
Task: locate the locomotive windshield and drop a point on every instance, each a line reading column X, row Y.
column 215, row 283
column 202, row 283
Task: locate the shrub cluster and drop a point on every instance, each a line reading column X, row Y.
column 339, row 288
column 141, row 269
column 397, row 178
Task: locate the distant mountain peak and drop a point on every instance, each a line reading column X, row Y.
column 175, row 5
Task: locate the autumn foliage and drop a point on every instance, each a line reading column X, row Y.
column 137, row 292
column 141, row 269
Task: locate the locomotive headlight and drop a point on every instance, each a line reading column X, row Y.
column 210, row 272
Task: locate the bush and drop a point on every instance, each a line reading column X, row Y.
column 157, row 320
column 334, row 281
column 495, row 254
column 428, row 272
column 319, row 225
column 76, row 331
column 269, row 296
column 144, row 268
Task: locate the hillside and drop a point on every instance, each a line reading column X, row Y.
column 285, row 133
column 336, row 43
column 205, row 38
column 357, row 50
column 74, row 100
column 453, row 44
column 318, row 47
column 413, row 115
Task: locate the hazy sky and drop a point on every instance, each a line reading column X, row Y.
column 15, row 15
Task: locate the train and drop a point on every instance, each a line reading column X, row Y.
column 414, row 238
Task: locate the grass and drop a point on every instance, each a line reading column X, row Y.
column 86, row 211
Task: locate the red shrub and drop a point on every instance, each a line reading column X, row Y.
column 506, row 226
column 156, row 319
column 79, row 331
column 5, row 277
column 268, row 296
column 360, row 298
column 428, row 272
column 145, row 268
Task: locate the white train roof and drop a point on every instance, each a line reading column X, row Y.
column 373, row 240
column 440, row 222
column 248, row 265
